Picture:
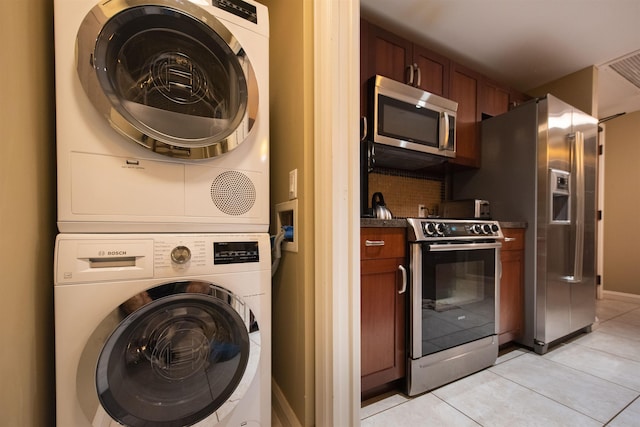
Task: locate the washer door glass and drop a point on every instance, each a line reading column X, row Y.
column 177, row 357
column 168, row 75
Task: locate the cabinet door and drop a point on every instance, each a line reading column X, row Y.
column 383, row 311
column 464, row 90
column 495, row 99
column 382, row 305
column 511, row 286
column 516, row 98
column 388, row 54
column 364, row 65
column 434, row 71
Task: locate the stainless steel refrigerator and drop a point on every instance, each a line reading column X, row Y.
column 539, row 166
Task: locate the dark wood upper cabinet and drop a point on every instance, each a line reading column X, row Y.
column 433, row 69
column 464, row 89
column 385, row 53
column 495, row 98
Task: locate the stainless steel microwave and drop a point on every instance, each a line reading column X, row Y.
column 403, row 118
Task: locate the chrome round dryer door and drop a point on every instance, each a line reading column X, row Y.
column 176, row 354
column 168, row 75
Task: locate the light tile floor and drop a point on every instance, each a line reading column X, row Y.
column 590, row 380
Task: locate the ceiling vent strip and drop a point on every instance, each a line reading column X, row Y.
column 629, row 68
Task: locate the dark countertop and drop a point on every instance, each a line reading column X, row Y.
column 375, row 222
column 401, row 222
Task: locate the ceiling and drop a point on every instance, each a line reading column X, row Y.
column 526, row 43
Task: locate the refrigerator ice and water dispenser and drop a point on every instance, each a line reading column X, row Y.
column 560, row 196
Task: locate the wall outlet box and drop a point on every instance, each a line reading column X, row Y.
column 287, row 214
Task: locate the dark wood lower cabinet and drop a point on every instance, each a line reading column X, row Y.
column 383, row 309
column 511, row 285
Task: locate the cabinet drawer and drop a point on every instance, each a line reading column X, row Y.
column 513, row 239
column 382, row 242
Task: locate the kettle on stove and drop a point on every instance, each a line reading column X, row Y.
column 380, row 210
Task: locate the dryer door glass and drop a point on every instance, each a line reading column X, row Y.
column 171, row 82
column 177, row 357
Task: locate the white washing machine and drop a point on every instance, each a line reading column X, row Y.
column 162, row 115
column 163, row 330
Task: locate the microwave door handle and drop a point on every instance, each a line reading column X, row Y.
column 444, row 136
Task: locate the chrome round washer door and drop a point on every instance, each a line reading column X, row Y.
column 168, row 75
column 176, row 354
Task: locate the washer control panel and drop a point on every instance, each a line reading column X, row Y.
column 95, row 258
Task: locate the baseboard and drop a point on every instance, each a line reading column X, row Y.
column 281, row 408
column 620, row 295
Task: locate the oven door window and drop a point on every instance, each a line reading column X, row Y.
column 458, row 298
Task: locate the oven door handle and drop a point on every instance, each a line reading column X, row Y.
column 404, row 279
column 463, row 246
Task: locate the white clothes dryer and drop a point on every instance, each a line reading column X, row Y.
column 162, row 113
column 163, row 330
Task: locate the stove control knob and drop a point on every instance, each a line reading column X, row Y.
column 486, row 229
column 476, row 229
column 431, row 229
column 495, row 228
column 440, row 229
column 180, row 254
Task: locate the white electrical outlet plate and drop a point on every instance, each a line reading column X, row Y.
column 293, row 184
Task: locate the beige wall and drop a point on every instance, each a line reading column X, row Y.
column 27, row 214
column 622, row 204
column 578, row 89
column 291, row 101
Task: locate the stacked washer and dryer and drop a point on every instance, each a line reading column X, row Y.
column 162, row 279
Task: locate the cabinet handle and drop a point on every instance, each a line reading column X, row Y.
column 419, row 79
column 510, row 239
column 404, row 279
column 363, row 128
column 410, row 73
column 374, row 242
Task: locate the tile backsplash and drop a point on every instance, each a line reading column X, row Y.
column 403, row 193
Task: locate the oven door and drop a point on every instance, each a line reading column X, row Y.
column 454, row 291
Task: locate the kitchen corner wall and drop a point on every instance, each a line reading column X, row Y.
column 291, row 110
column 578, row 89
column 27, row 214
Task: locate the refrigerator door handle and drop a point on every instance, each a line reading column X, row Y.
column 578, row 164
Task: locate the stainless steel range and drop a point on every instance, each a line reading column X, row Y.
column 455, row 275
